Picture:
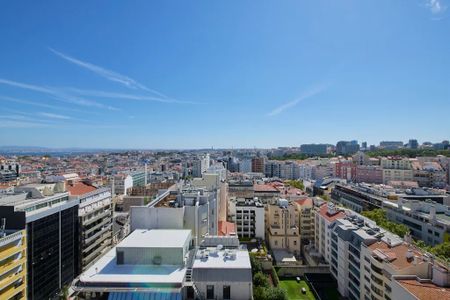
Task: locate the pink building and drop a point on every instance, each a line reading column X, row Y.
column 369, row 174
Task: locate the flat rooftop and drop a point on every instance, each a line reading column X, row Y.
column 106, row 272
column 222, row 259
column 156, row 238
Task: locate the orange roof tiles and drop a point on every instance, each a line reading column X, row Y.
column 264, row 188
column 396, row 254
column 425, row 291
column 306, row 201
column 80, row 188
column 226, row 228
column 323, row 211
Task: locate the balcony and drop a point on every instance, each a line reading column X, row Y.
column 96, row 217
column 12, row 291
column 11, row 279
column 89, row 239
column 102, row 223
column 11, row 265
column 11, row 251
column 10, row 238
column 98, row 241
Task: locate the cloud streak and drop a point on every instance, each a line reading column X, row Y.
column 56, row 94
column 108, row 74
column 104, row 94
column 310, row 93
column 54, row 116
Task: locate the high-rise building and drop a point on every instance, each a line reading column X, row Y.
column 347, row 148
column 314, row 149
column 51, row 222
column 391, row 145
column 258, row 164
column 413, row 144
column 248, row 215
column 95, row 222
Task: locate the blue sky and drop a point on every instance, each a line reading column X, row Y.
column 182, row 74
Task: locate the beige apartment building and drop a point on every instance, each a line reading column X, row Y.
column 283, row 226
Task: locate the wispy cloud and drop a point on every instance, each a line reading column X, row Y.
column 54, row 116
column 56, row 94
column 108, row 74
column 310, row 93
column 436, row 6
column 20, row 124
column 112, row 95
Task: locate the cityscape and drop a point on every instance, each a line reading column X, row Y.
column 225, row 150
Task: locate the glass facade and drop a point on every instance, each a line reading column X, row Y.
column 52, row 255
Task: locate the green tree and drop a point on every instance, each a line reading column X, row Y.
column 259, row 293
column 259, row 279
column 275, row 293
column 256, row 264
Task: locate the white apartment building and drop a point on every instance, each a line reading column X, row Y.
column 188, row 208
column 325, row 217
column 396, row 169
column 245, row 165
column 248, row 215
column 121, row 184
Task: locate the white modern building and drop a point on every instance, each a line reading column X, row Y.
column 189, row 208
column 248, row 215
column 221, row 270
column 146, row 263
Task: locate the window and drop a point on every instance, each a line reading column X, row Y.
column 209, row 292
column 276, row 243
column 226, row 292
column 295, row 243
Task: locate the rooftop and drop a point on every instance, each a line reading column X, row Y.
column 323, row 211
column 156, row 238
column 211, row 257
column 80, row 188
column 424, row 290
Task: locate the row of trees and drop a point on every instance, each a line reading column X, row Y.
column 296, row 183
column 262, row 289
column 379, row 216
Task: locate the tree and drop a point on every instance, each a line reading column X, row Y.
column 379, row 216
column 256, row 264
column 296, row 183
column 259, row 293
column 259, row 279
column 276, row 294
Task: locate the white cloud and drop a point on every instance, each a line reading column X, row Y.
column 108, row 74
column 104, row 94
column 436, row 6
column 310, row 93
column 56, row 94
column 54, row 116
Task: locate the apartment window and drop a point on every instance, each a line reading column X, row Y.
column 226, row 292
column 295, row 243
column 276, row 243
column 209, row 292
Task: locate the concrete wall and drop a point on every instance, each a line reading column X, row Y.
column 239, row 290
column 142, row 217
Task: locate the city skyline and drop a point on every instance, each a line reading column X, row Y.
column 170, row 76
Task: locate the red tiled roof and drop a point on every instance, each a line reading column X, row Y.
column 226, row 228
column 80, row 188
column 425, row 291
column 264, row 188
column 306, row 201
column 324, row 212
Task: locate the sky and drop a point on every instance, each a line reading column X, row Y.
column 222, row 74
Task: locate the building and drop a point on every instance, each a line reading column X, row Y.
column 347, row 148
column 94, row 221
column 391, row 145
column 121, row 184
column 258, row 164
column 413, row 144
column 282, row 225
column 187, row 208
column 429, row 174
column 146, row 262
column 306, row 220
column 163, row 264
column 314, row 149
column 324, row 218
column 345, row 170
column 51, row 222
column 13, row 264
column 357, row 197
column 245, row 166
column 9, row 171
column 248, row 216
column 266, row 193
column 427, row 221
column 200, row 165
column 396, row 169
column 222, row 270
column 369, row 174
column 139, row 178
